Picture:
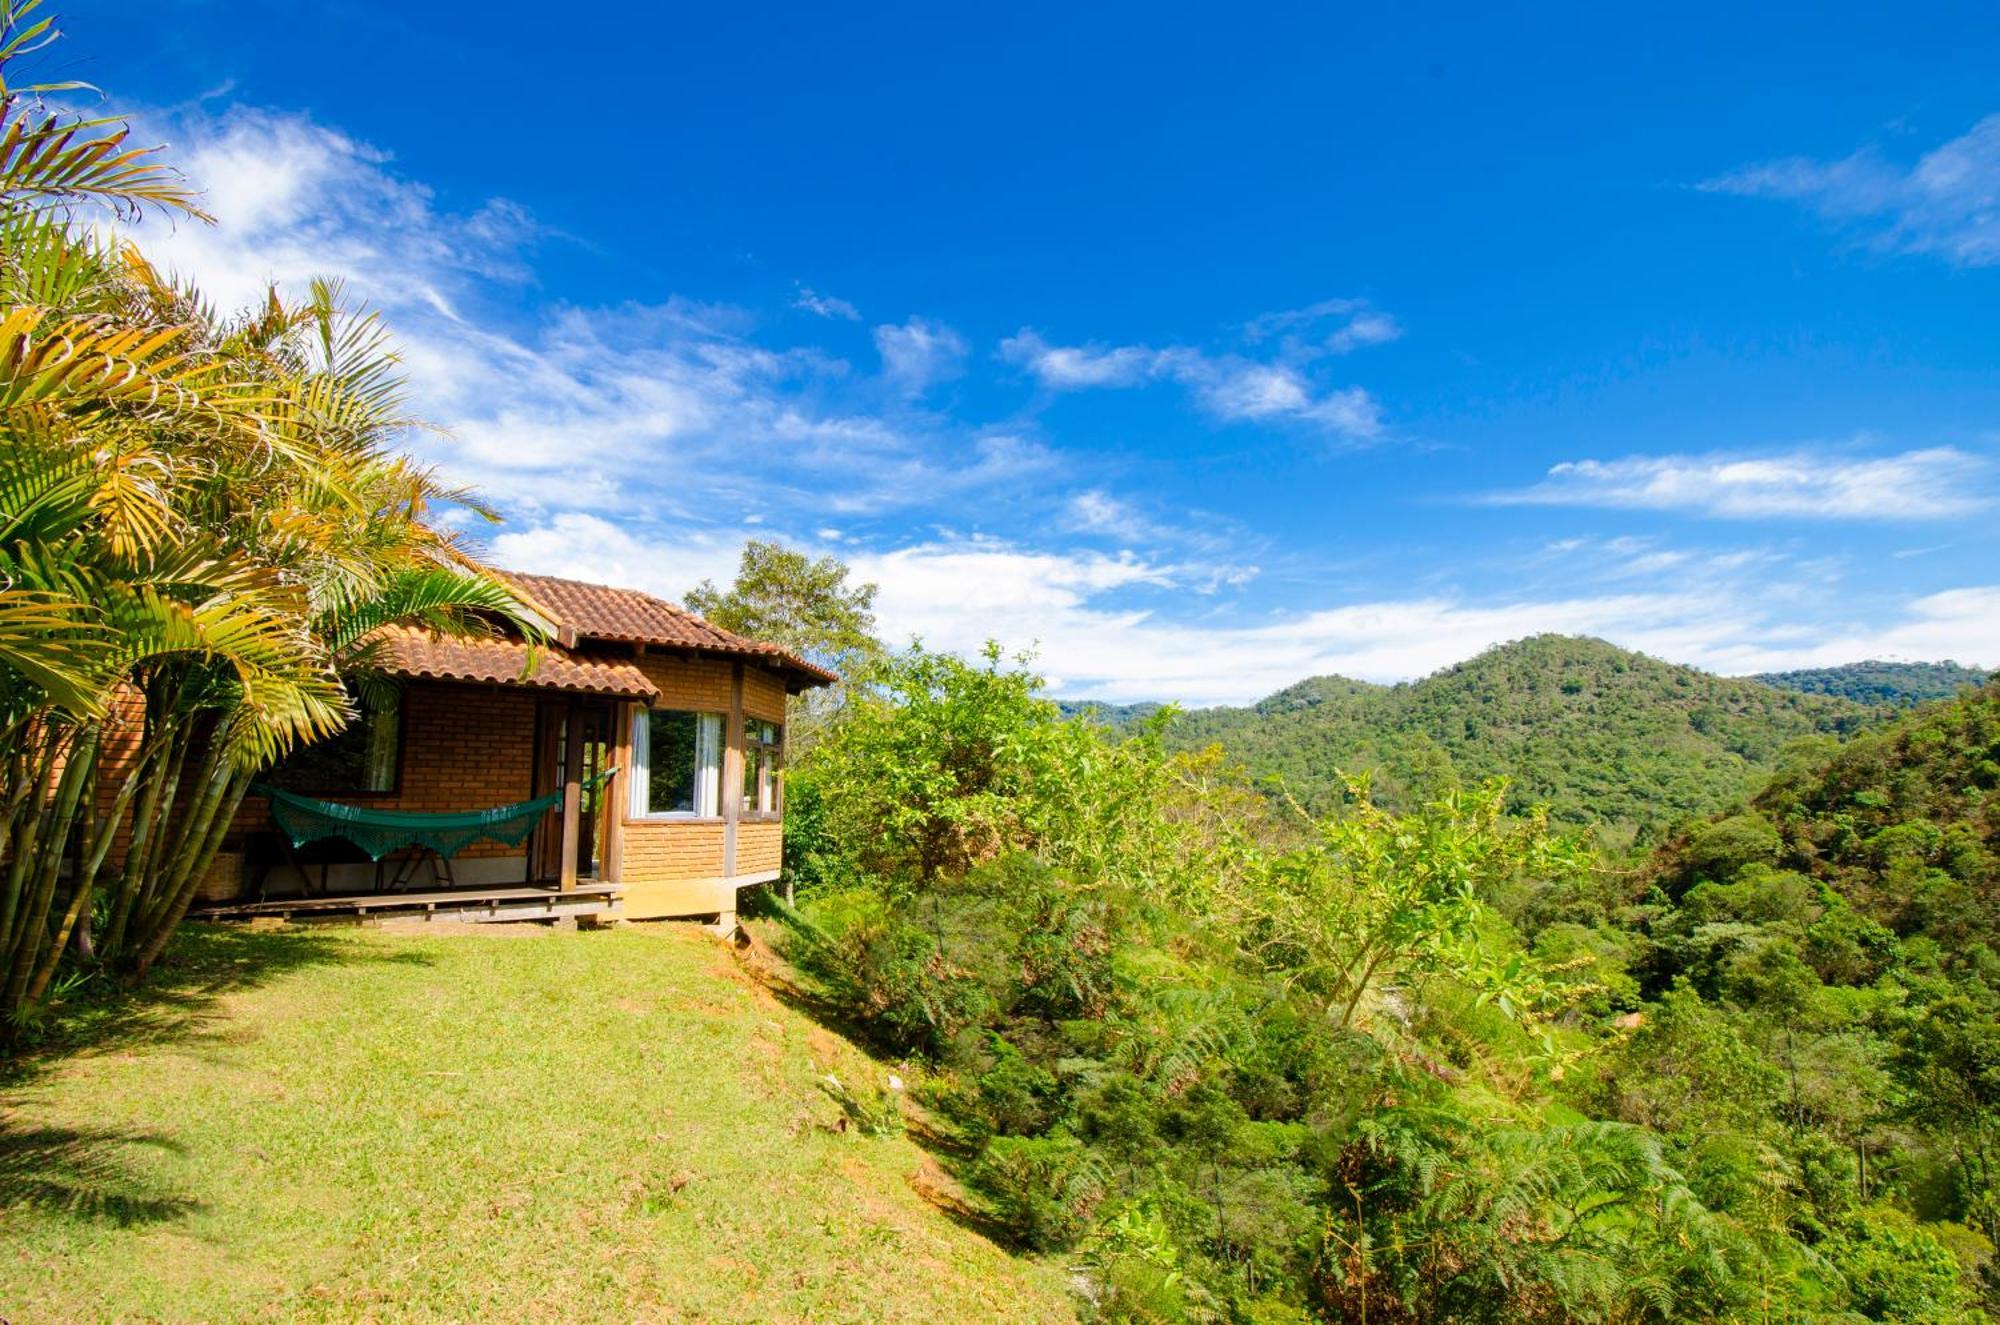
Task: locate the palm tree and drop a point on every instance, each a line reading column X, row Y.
column 203, row 522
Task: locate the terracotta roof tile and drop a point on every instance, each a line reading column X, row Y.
column 405, row 651
column 598, row 611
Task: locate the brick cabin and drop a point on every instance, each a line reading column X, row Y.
column 691, row 716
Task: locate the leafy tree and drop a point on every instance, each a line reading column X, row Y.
column 803, row 603
column 1375, row 901
column 201, row 524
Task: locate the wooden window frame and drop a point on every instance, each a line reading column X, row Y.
column 751, row 749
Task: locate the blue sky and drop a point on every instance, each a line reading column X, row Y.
column 1200, row 348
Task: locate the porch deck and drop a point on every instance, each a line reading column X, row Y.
column 470, row 903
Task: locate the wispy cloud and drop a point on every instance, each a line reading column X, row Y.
column 919, row 353
column 1946, row 204
column 1229, row 387
column 1332, row 326
column 820, row 305
column 644, row 410
column 1079, row 367
column 1931, row 484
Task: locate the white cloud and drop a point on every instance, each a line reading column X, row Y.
column 1098, row 512
column 299, row 200
column 646, row 409
column 825, row 305
column 919, row 354
column 1947, row 204
column 1929, row 484
column 1103, row 627
column 1229, row 387
column 578, row 546
column 1097, row 626
column 1304, row 334
column 1074, row 367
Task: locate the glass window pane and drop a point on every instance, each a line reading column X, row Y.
column 383, row 725
column 360, row 757
column 671, row 759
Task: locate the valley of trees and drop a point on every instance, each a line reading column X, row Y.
column 1423, row 1051
column 1241, row 1061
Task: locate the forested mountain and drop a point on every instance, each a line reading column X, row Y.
column 1604, row 736
column 1238, row 1064
column 1115, row 716
column 1903, row 823
column 1875, row 682
column 1829, row 992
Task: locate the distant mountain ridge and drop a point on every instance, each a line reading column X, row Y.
column 1877, row 682
column 1604, row 736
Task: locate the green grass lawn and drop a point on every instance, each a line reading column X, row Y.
column 314, row 1124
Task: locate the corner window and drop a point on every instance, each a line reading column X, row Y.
column 763, row 758
column 676, row 763
column 359, row 758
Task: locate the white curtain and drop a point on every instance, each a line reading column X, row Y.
column 708, row 765
column 639, row 776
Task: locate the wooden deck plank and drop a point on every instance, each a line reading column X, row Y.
column 455, row 899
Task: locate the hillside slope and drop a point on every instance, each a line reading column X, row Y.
column 1604, row 736
column 1873, row 682
column 1904, row 823
column 1825, row 986
column 541, row 1127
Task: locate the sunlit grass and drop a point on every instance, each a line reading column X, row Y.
column 363, row 1125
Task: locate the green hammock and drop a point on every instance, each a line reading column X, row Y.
column 378, row 832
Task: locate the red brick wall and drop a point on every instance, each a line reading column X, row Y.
column 763, row 694
column 655, row 851
column 701, row 684
column 759, row 847
column 465, row 747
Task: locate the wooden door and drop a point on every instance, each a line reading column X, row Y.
column 551, row 753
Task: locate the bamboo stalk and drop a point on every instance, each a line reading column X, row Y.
column 170, row 868
column 159, row 763
column 239, row 786
column 24, row 951
column 97, row 838
column 27, row 834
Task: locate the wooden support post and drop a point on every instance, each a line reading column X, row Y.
column 732, row 771
column 572, row 810
column 615, row 798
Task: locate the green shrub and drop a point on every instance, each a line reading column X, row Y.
column 888, row 972
column 1042, row 1189
column 1894, row 1270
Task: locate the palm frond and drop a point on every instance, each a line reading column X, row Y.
column 57, row 645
